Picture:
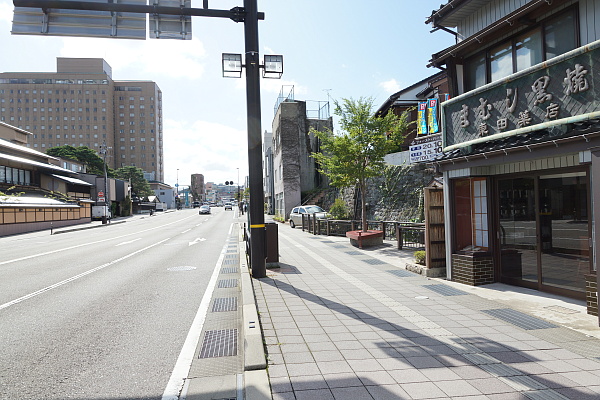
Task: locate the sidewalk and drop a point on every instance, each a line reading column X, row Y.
column 345, row 323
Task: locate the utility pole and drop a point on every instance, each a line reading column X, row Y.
column 257, row 216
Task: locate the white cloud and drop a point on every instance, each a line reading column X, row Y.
column 207, row 148
column 149, row 58
column 391, row 86
column 6, row 12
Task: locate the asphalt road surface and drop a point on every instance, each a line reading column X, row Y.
column 103, row 313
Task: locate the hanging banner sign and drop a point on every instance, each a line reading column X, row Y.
column 422, row 118
column 432, row 116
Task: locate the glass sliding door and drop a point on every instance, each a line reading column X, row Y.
column 564, row 230
column 518, row 237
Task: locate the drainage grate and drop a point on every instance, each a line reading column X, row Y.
column 230, row 256
column 401, row 273
column 182, row 268
column 229, row 270
column 354, row 253
column 445, row 290
column 219, row 343
column 519, row 319
column 339, row 246
column 227, row 283
column 327, row 241
column 230, row 262
column 223, row 304
column 374, row 261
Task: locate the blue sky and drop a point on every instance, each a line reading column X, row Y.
column 343, row 49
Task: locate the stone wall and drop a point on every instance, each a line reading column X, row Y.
column 397, row 195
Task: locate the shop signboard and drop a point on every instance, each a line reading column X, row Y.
column 425, row 148
column 541, row 97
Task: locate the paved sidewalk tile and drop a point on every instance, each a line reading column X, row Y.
column 337, row 327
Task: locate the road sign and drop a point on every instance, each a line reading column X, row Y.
column 164, row 26
column 70, row 22
column 101, row 194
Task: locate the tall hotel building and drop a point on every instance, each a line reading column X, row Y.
column 81, row 105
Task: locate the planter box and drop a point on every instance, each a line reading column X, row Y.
column 428, row 272
column 368, row 238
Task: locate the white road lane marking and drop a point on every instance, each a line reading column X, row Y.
column 90, row 243
column 73, row 278
column 131, row 241
column 198, row 240
column 186, row 356
column 186, row 231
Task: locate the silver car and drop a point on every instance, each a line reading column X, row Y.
column 297, row 212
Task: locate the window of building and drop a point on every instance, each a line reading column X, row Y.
column 550, row 38
column 471, row 217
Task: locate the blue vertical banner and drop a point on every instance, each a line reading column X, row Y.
column 432, row 116
column 422, row 118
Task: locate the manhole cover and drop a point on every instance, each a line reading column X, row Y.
column 182, row 268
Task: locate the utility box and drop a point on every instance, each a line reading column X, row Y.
column 272, row 244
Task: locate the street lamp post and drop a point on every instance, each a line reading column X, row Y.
column 177, row 191
column 103, row 150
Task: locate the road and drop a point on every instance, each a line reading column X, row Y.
column 103, row 313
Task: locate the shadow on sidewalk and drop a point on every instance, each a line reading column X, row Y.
column 421, row 352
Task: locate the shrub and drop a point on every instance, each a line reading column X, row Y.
column 338, row 210
column 420, row 257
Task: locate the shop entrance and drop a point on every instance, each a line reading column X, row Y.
column 544, row 232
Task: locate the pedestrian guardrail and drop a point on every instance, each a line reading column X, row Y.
column 406, row 234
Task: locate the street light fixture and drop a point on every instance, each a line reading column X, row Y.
column 273, row 67
column 232, row 65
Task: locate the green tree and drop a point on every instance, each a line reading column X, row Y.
column 93, row 162
column 356, row 154
column 139, row 184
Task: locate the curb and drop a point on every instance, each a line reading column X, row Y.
column 256, row 380
column 87, row 227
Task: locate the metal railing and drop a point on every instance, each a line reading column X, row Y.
column 406, row 234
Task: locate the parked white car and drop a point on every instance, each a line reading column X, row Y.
column 296, row 214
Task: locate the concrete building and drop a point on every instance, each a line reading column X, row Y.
column 521, row 134
column 294, row 170
column 268, row 182
column 81, row 105
column 166, row 193
column 197, row 187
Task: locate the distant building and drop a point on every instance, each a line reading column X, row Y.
column 166, row 193
column 197, row 187
column 81, row 105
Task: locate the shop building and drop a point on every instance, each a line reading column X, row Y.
column 521, row 142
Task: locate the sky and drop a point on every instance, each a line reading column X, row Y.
column 332, row 49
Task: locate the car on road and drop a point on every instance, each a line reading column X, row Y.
column 196, row 204
column 228, row 206
column 297, row 212
column 204, row 209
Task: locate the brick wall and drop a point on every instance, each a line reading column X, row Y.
column 591, row 294
column 473, row 270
